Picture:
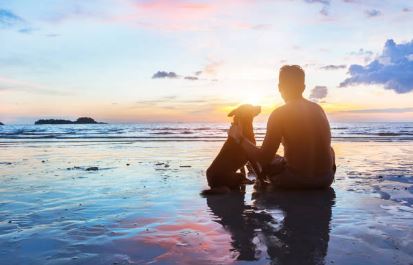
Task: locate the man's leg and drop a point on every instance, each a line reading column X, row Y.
column 276, row 166
column 264, row 174
column 285, row 180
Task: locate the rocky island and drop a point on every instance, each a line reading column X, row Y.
column 81, row 120
column 1, row 123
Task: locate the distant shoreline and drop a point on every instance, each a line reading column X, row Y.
column 81, row 120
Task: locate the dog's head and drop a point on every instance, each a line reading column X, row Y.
column 245, row 112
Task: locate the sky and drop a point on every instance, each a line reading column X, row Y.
column 193, row 61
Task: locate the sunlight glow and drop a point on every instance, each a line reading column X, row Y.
column 252, row 99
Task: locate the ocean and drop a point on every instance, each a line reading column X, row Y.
column 385, row 131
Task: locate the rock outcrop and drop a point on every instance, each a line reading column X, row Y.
column 81, row 120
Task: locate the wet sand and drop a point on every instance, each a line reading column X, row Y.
column 140, row 204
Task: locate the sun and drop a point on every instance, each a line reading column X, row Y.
column 252, row 99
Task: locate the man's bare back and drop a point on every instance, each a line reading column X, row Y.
column 304, row 131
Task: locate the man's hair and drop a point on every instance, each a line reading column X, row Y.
column 293, row 77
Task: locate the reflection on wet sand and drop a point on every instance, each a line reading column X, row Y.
column 288, row 227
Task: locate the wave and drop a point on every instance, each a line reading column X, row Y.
column 190, row 132
column 49, row 138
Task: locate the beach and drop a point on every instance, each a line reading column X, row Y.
column 108, row 194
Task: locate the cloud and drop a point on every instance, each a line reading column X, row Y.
column 365, row 54
column 26, row 30
column 170, row 15
column 326, row 4
column 165, row 6
column 188, row 104
column 392, row 69
column 249, row 26
column 318, row 93
column 372, row 13
column 173, row 75
column 212, row 68
column 206, row 74
column 164, row 74
column 186, row 15
column 192, row 78
column 362, row 52
column 52, row 35
column 78, row 10
column 9, row 19
column 261, row 27
column 333, row 67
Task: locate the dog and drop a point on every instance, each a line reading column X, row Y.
column 222, row 174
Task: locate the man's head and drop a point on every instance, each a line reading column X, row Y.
column 291, row 82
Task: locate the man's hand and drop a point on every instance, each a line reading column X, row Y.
column 235, row 132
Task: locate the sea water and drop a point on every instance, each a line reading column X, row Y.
column 390, row 131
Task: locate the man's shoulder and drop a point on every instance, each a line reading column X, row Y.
column 316, row 106
column 280, row 109
column 310, row 105
column 291, row 109
column 277, row 113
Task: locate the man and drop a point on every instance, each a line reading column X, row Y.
column 303, row 129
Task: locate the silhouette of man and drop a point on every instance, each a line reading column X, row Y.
column 303, row 129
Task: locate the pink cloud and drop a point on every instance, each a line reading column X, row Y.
column 212, row 67
column 172, row 10
column 168, row 7
column 181, row 15
column 165, row 15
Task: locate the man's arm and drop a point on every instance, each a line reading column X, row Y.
column 270, row 145
column 272, row 138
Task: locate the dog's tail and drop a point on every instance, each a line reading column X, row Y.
column 216, row 191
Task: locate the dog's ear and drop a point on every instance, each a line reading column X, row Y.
column 233, row 112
